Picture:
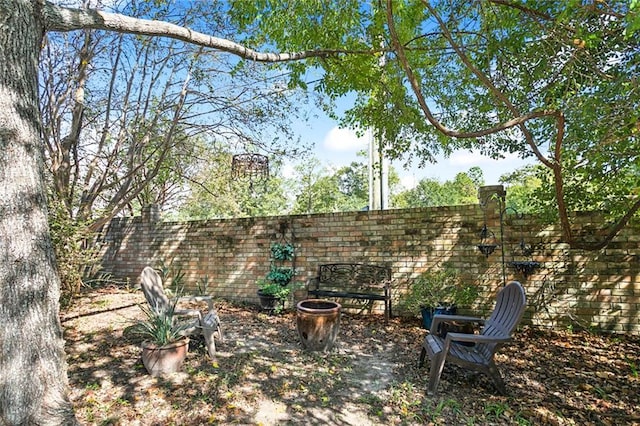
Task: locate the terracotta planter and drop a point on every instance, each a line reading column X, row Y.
column 318, row 322
column 159, row 360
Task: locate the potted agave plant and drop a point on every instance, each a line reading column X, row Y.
column 165, row 343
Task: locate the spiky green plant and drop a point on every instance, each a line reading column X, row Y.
column 160, row 326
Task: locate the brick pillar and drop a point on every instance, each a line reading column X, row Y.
column 491, row 196
column 491, row 200
column 150, row 213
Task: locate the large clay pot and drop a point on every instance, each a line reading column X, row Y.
column 318, row 322
column 168, row 358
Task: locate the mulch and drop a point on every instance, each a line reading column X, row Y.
column 261, row 374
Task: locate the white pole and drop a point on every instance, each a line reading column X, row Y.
column 378, row 176
column 374, row 181
column 378, row 167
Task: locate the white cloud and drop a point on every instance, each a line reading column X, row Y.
column 288, row 170
column 465, row 158
column 408, row 181
column 343, row 140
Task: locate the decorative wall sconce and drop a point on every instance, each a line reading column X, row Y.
column 487, row 241
column 252, row 167
column 522, row 262
column 525, row 267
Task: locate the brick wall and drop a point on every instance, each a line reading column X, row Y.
column 595, row 289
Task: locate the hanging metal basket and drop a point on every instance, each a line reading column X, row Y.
column 488, row 241
column 250, row 167
column 525, row 267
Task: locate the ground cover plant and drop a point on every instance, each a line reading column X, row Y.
column 261, row 375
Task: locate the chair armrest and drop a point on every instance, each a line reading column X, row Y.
column 313, row 282
column 476, row 338
column 440, row 318
column 197, row 298
column 188, row 313
column 208, row 299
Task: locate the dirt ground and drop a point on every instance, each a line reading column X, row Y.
column 262, row 376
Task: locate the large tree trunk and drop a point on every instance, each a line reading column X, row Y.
column 33, row 377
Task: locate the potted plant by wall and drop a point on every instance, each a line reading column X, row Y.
column 438, row 291
column 165, row 344
column 274, row 289
column 272, row 295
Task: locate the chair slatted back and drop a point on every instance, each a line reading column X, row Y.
column 151, row 284
column 510, row 306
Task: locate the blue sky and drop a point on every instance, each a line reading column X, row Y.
column 338, row 147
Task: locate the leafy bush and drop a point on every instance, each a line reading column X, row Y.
column 269, row 288
column 73, row 246
column 280, row 274
column 438, row 288
column 282, row 252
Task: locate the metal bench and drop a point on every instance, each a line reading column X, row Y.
column 353, row 281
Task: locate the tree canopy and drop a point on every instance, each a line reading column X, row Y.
column 128, row 120
column 557, row 81
column 463, row 189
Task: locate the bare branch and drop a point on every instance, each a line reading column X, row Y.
column 58, row 18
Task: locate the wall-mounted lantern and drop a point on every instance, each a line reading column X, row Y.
column 488, row 242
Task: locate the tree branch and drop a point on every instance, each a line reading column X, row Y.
column 519, row 120
column 58, row 18
column 415, row 85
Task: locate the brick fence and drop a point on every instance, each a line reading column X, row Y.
column 598, row 289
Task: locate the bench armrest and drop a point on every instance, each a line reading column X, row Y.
column 313, row 283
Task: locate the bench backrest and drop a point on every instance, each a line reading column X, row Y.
column 353, row 275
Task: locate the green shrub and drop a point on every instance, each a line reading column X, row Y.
column 438, row 287
column 74, row 249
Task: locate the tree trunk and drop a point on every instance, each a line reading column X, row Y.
column 33, row 377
